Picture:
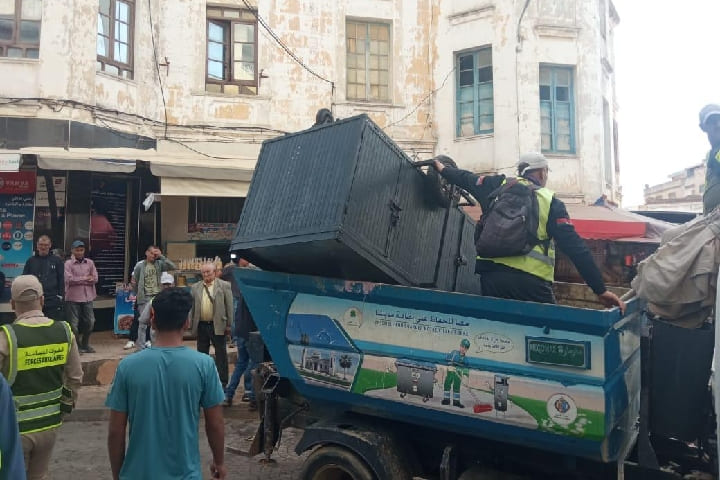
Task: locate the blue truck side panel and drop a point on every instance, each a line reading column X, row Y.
column 550, row 377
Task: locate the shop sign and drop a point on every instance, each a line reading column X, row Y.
column 9, row 162
column 17, row 199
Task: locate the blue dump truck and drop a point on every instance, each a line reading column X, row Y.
column 395, row 382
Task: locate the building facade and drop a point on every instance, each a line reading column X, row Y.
column 106, row 102
column 682, row 193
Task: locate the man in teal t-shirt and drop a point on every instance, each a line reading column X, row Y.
column 160, row 391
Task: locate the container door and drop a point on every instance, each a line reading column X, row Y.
column 372, row 209
column 416, row 234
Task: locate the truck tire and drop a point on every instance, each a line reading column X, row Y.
column 331, row 462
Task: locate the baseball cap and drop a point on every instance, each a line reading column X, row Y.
column 167, row 278
column 26, row 288
column 706, row 112
column 533, row 160
column 77, row 243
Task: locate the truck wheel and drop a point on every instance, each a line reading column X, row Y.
column 331, row 462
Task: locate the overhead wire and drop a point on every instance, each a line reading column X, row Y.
column 282, row 45
column 157, row 66
column 429, row 94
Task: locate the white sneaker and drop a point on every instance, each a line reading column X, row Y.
column 130, row 344
column 148, row 344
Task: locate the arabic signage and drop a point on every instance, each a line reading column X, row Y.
column 446, row 362
column 558, row 352
column 17, row 194
column 211, row 231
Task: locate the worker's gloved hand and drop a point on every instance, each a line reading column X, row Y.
column 438, row 166
column 610, row 300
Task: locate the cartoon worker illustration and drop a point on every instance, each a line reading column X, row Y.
column 456, row 361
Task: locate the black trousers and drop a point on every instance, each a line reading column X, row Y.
column 206, row 336
column 56, row 312
column 516, row 285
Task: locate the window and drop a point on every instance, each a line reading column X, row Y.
column 368, row 61
column 114, row 37
column 557, row 115
column 231, row 51
column 475, row 113
column 214, row 209
column 20, row 28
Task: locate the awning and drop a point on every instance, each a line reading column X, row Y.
column 193, row 187
column 606, row 223
column 110, row 160
column 239, row 169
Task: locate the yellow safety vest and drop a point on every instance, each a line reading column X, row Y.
column 38, row 354
column 540, row 261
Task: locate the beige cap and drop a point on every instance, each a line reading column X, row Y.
column 26, row 288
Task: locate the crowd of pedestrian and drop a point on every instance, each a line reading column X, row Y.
column 41, row 372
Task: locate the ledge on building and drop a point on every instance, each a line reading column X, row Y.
column 556, row 31
column 482, row 11
column 370, row 106
column 470, row 138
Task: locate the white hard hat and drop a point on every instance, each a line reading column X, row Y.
column 167, row 278
column 532, row 161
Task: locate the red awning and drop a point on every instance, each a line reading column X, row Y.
column 607, row 223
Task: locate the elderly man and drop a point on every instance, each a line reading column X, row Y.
column 212, row 315
column 50, row 271
column 527, row 274
column 710, row 124
column 40, row 359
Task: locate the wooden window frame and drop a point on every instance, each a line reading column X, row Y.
column 477, row 113
column 228, row 62
column 103, row 61
column 553, row 109
column 368, row 97
column 15, row 41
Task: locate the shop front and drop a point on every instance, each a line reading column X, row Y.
column 77, row 197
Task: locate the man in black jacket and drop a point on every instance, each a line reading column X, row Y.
column 528, row 280
column 50, row 270
column 243, row 324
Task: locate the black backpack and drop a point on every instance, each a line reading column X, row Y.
column 509, row 226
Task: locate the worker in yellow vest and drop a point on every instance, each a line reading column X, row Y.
column 39, row 357
column 515, row 239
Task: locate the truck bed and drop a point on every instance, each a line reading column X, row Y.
column 552, row 377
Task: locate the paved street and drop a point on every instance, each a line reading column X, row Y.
column 81, row 454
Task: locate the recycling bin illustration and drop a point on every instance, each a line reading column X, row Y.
column 415, row 378
column 501, row 393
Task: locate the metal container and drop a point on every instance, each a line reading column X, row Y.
column 415, row 378
column 343, row 201
column 500, row 393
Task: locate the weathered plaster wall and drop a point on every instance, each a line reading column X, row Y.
column 425, row 36
column 562, row 32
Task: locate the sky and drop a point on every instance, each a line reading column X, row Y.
column 666, row 69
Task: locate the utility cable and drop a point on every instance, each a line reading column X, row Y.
column 52, row 103
column 429, row 94
column 157, row 66
column 292, row 55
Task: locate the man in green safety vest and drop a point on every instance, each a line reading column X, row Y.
column 529, row 276
column 40, row 360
